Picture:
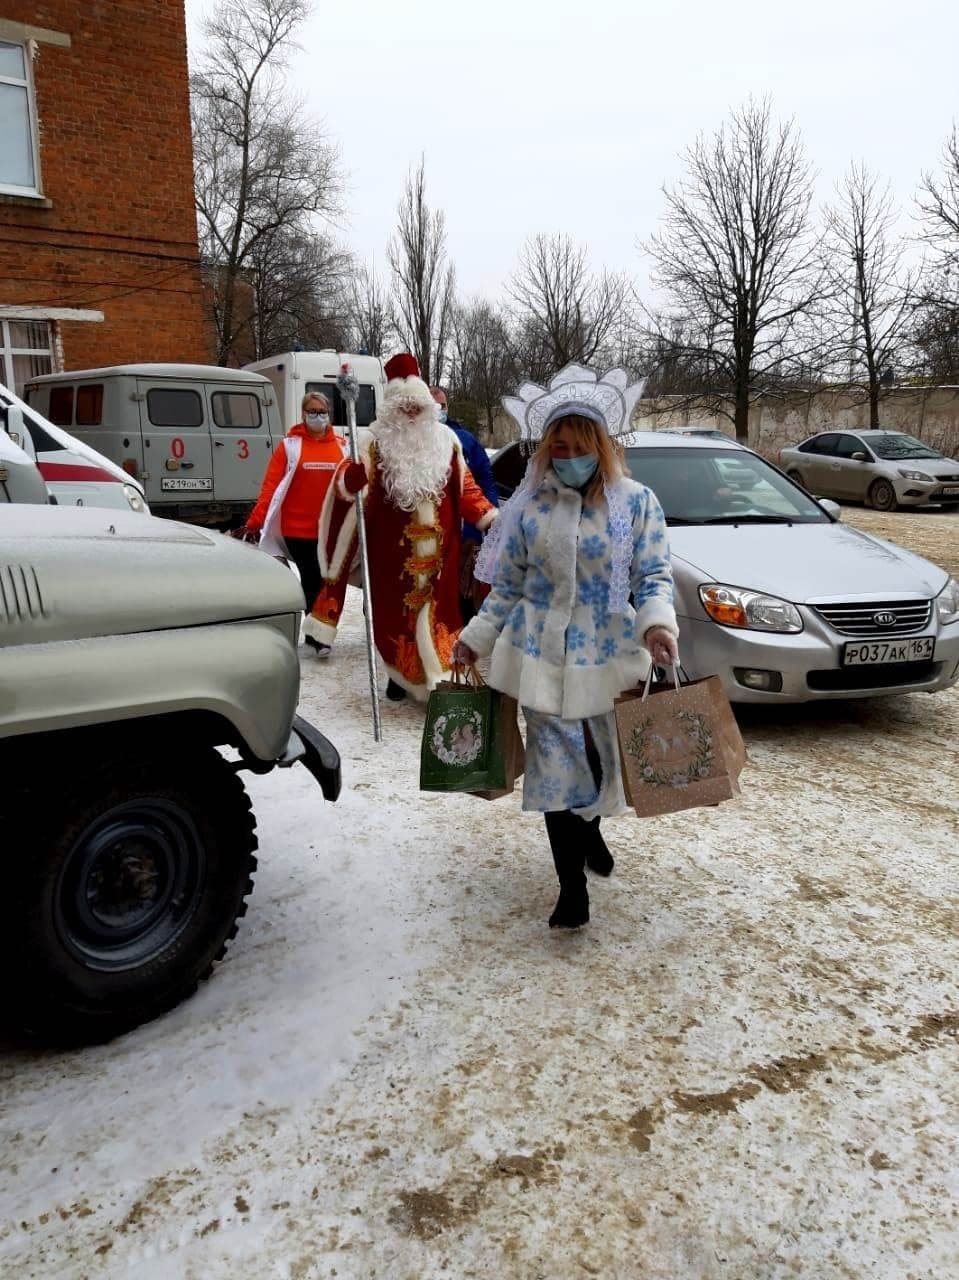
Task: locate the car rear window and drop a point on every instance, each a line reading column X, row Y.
column 365, row 404
column 61, row 406
column 174, row 407
column 236, row 409
column 90, row 405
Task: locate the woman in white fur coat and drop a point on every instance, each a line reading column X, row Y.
column 577, row 538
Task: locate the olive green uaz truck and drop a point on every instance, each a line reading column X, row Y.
column 132, row 651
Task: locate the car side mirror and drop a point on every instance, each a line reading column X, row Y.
column 833, row 508
column 12, row 416
column 858, row 456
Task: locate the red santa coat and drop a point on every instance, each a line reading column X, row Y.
column 414, row 566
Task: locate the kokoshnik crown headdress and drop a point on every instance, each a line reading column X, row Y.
column 608, row 401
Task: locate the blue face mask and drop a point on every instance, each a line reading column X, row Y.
column 576, row 471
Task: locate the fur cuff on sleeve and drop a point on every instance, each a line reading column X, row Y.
column 480, row 636
column 655, row 613
column 485, row 521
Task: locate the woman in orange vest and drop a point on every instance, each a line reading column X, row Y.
column 285, row 520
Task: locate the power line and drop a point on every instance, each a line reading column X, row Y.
column 85, row 248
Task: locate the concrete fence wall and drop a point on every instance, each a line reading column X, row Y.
column 931, row 413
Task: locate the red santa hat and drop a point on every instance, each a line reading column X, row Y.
column 403, row 381
column 402, row 366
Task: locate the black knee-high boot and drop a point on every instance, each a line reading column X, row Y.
column 566, row 837
column 598, row 856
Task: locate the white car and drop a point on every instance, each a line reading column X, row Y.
column 75, row 474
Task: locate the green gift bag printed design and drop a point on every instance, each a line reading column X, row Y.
column 462, row 748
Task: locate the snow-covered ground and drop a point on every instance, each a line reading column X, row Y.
column 745, row 1067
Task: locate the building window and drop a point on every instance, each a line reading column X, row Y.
column 19, row 168
column 27, row 351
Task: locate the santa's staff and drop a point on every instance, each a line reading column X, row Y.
column 350, row 390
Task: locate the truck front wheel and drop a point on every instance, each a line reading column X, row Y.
column 129, row 879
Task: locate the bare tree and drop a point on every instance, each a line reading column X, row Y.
column 260, row 166
column 937, row 320
column 371, row 320
column 938, row 202
column 301, row 285
column 482, row 367
column 563, row 311
column 424, row 281
column 869, row 299
column 736, row 261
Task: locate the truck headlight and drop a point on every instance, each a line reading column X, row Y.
column 735, row 607
column 947, row 602
column 134, row 497
column 916, row 475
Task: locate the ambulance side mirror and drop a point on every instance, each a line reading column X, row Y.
column 15, row 428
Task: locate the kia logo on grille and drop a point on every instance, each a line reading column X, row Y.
column 885, row 619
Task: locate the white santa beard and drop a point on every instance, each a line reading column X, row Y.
column 415, row 459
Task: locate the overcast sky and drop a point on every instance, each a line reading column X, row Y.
column 569, row 117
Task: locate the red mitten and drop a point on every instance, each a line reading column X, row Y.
column 355, row 477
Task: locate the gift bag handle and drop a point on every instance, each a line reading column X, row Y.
column 467, row 675
column 649, row 679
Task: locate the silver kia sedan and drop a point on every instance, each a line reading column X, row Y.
column 884, row 468
column 777, row 597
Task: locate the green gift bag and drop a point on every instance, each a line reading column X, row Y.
column 462, row 746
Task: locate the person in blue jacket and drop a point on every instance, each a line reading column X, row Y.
column 478, row 462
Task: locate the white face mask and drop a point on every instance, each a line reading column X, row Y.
column 442, row 413
column 317, row 419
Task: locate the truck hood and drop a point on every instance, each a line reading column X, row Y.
column 70, row 574
column 805, row 562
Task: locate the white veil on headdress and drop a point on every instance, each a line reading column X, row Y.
column 608, row 401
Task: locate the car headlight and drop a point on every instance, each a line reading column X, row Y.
column 947, row 602
column 735, row 607
column 916, row 475
column 134, row 497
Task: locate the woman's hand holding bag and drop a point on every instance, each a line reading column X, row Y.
column 662, row 646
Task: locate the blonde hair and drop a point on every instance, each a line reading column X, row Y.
column 313, row 395
column 590, row 437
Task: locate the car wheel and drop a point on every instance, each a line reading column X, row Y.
column 796, row 477
column 882, row 496
column 126, row 891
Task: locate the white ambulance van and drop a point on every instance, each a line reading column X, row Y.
column 294, row 373
column 75, row 474
column 197, row 437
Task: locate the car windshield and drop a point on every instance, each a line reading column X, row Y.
column 894, row 446
column 719, row 486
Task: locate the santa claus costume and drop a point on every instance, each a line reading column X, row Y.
column 419, row 493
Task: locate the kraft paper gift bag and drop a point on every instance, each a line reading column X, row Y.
column 680, row 746
column 514, row 751
column 462, row 747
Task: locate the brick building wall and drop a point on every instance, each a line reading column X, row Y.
column 113, row 228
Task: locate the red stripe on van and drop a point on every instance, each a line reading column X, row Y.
column 73, row 471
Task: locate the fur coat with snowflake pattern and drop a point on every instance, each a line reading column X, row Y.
column 555, row 644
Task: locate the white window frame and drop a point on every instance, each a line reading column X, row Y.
column 8, row 351
column 28, row 47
